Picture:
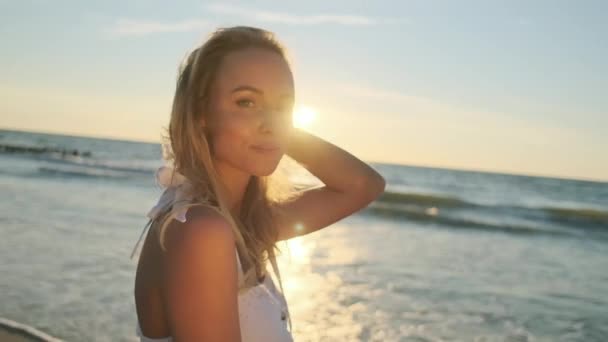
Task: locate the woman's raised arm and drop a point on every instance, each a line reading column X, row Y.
column 349, row 185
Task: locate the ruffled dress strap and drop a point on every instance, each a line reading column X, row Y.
column 178, row 195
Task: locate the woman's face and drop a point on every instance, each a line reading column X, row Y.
column 250, row 111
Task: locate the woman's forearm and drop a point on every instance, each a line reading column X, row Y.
column 335, row 167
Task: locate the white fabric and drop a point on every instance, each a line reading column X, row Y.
column 263, row 310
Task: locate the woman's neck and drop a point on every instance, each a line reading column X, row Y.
column 234, row 182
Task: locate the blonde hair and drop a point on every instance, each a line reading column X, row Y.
column 189, row 150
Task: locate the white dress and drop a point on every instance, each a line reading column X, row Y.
column 263, row 311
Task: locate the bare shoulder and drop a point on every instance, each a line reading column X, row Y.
column 201, row 277
column 204, row 242
column 203, row 227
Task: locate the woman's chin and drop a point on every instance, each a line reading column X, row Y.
column 263, row 169
column 265, row 166
column 263, row 172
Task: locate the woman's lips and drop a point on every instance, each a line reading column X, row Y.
column 265, row 148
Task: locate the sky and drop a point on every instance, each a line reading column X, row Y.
column 504, row 86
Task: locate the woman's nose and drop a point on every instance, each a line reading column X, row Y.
column 274, row 120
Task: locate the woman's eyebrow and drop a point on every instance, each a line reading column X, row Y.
column 256, row 90
column 246, row 87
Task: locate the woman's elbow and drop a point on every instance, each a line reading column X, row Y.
column 370, row 188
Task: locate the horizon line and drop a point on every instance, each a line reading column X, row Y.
column 145, row 141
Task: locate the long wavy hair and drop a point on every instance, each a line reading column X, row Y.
column 189, row 150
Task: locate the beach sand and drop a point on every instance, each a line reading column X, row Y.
column 10, row 335
column 11, row 331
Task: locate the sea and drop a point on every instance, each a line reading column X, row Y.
column 442, row 255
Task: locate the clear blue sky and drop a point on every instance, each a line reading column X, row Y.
column 511, row 86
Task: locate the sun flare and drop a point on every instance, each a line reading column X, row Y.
column 303, row 117
column 298, row 250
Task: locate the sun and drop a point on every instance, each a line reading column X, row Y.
column 303, row 117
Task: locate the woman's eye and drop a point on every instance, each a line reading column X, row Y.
column 245, row 103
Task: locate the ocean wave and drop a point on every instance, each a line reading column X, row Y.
column 131, row 166
column 38, row 150
column 81, row 172
column 80, row 158
column 425, row 199
column 578, row 214
column 435, row 215
column 403, row 202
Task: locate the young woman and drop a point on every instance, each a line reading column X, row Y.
column 201, row 274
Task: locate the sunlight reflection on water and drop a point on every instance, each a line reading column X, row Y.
column 324, row 303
